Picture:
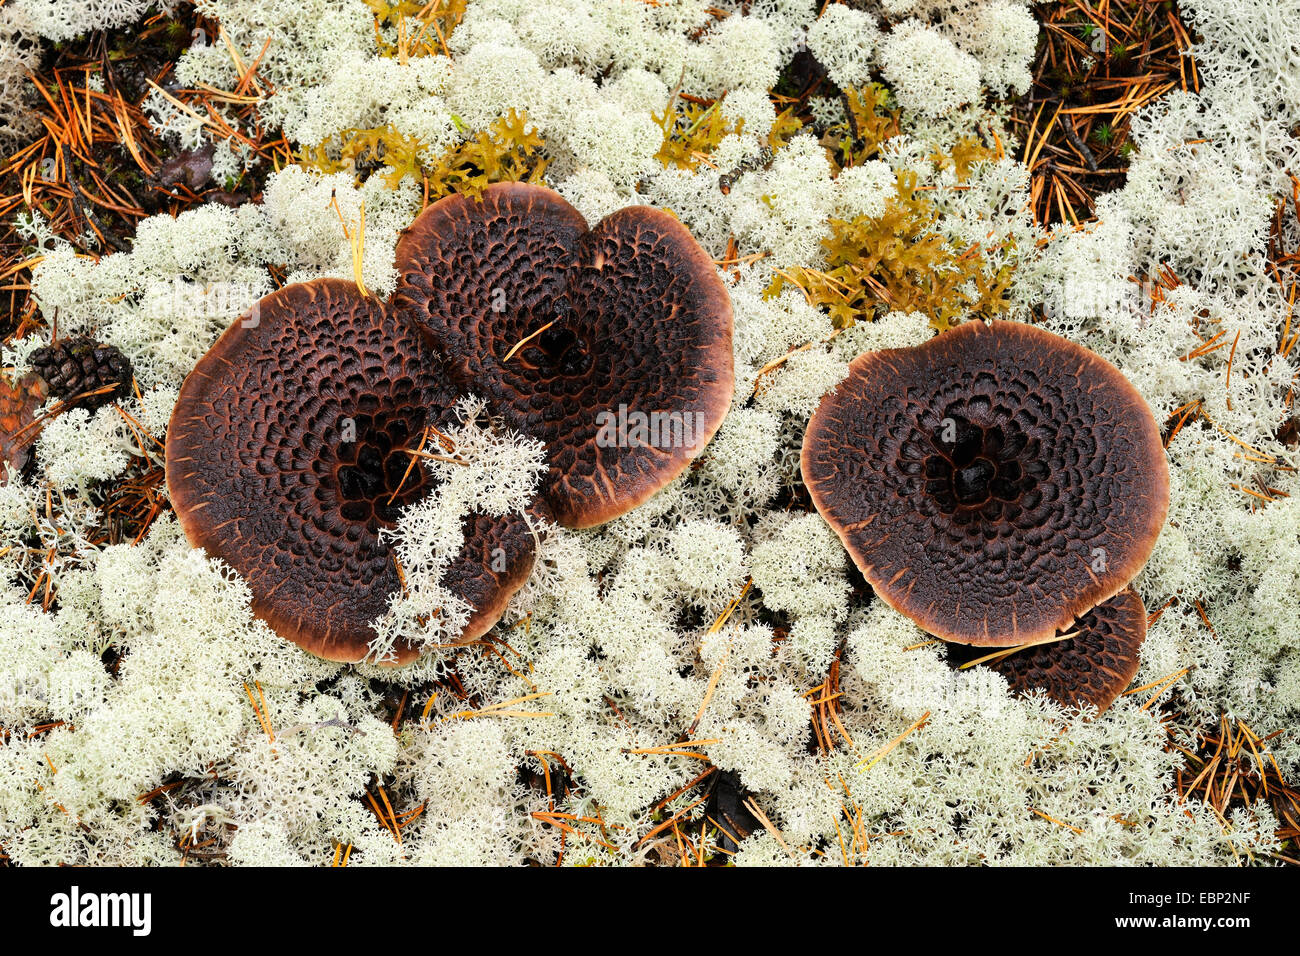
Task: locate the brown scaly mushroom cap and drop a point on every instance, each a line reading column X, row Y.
column 992, row 483
column 625, row 371
column 285, row 448
column 1093, row 667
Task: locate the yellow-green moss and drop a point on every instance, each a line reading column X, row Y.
column 899, row 261
column 510, row 150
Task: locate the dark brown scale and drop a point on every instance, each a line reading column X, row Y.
column 1094, row 667
column 629, row 314
column 75, row 366
column 993, row 483
column 286, row 458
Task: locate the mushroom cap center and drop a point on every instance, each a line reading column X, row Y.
column 976, row 467
column 971, row 483
column 372, row 474
column 559, row 350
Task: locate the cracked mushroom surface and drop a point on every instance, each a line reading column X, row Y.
column 612, row 345
column 1093, row 667
column 993, row 483
column 285, row 459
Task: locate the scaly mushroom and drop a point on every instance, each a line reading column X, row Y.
column 287, row 453
column 610, row 345
column 993, row 483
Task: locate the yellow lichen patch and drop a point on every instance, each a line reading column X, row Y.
column 692, row 131
column 900, row 261
column 509, row 150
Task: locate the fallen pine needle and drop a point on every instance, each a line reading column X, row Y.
column 1008, row 651
column 669, row 748
column 752, row 806
column 502, row 709
column 1056, row 821
column 884, row 751
column 525, row 340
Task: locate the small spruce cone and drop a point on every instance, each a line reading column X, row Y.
column 77, row 365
